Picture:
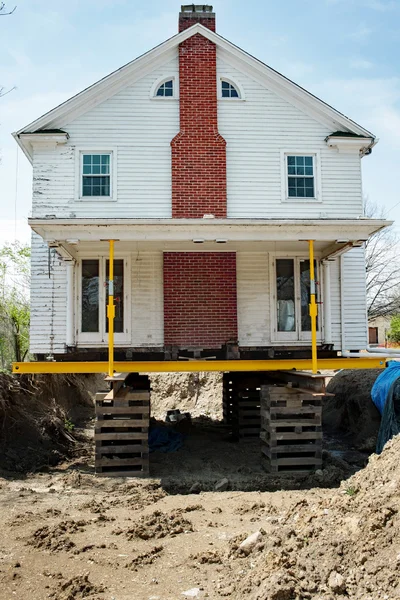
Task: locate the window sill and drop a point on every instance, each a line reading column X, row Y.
column 163, row 98
column 301, row 200
column 232, row 99
column 96, row 199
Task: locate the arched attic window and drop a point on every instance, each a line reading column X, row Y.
column 165, row 89
column 229, row 90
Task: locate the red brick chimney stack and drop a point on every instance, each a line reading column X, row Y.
column 196, row 13
column 198, row 151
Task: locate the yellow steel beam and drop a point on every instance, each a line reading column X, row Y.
column 111, row 311
column 313, row 309
column 194, row 366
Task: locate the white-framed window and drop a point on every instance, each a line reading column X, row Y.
column 290, row 298
column 300, row 171
column 93, row 285
column 229, row 89
column 96, row 174
column 165, row 88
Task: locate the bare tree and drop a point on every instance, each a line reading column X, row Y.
column 382, row 268
column 3, row 13
column 4, row 9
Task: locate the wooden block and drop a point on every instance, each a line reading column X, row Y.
column 107, row 423
column 125, row 449
column 139, row 473
column 130, row 435
column 122, row 410
column 119, row 462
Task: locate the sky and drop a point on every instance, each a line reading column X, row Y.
column 344, row 51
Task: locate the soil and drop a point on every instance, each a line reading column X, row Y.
column 351, row 410
column 67, row 534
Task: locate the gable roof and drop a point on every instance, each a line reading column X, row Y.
column 105, row 88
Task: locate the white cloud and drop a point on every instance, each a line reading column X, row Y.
column 382, row 6
column 362, row 33
column 361, row 63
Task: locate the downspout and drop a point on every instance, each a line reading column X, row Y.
column 70, row 304
column 327, row 303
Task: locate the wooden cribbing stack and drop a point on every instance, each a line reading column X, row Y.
column 122, row 427
column 291, row 429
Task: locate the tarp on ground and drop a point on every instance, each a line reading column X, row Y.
column 386, row 397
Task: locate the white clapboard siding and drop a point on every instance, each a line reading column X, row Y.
column 48, row 299
column 257, row 130
column 354, row 313
column 139, row 130
column 147, row 299
column 253, row 298
column 336, row 322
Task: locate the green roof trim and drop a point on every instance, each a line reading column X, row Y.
column 346, row 134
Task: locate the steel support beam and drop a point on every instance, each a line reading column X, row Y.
column 194, row 366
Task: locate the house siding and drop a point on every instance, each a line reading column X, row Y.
column 48, row 299
column 354, row 300
column 257, row 130
column 138, row 130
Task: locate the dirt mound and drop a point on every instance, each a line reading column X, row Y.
column 343, row 545
column 40, row 417
column 145, row 558
column 158, row 525
column 77, row 588
column 56, row 538
column 351, row 409
column 197, row 393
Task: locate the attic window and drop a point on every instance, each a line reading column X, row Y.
column 228, row 90
column 166, row 89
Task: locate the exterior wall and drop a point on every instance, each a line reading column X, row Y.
column 253, row 285
column 257, row 131
column 48, row 299
column 138, row 130
column 200, row 298
column 354, row 300
column 383, row 325
column 253, row 294
column 198, row 151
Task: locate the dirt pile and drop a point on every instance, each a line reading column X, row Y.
column 197, row 393
column 39, row 419
column 351, row 410
column 158, row 525
column 342, row 545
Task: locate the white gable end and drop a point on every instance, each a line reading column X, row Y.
column 259, row 131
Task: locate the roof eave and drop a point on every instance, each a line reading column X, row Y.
column 299, row 93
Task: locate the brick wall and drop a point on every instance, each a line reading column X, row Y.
column 186, row 20
column 198, row 151
column 199, row 298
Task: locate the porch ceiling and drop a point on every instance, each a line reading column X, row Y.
column 331, row 237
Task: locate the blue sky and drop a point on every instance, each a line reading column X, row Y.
column 344, row 51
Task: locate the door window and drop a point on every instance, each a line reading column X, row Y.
column 90, row 296
column 285, row 294
column 292, row 299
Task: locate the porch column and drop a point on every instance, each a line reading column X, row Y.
column 313, row 308
column 327, row 303
column 70, row 338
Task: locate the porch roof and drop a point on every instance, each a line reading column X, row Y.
column 331, row 236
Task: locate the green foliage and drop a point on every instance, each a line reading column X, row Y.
column 14, row 303
column 394, row 331
column 351, row 491
column 69, row 426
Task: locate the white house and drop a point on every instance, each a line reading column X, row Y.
column 211, row 171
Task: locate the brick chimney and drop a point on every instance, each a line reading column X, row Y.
column 198, row 150
column 196, row 13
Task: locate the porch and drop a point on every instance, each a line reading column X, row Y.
column 268, row 292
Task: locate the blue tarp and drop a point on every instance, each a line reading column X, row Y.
column 383, row 383
column 386, row 397
column 165, row 439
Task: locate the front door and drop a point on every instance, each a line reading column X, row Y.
column 291, row 299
